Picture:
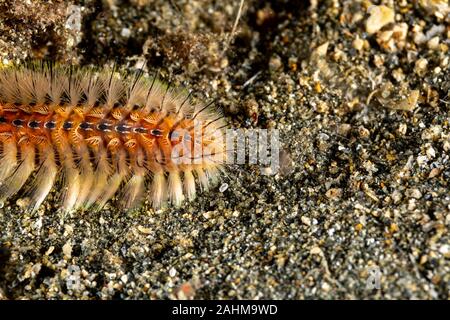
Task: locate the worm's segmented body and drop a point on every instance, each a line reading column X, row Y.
column 102, row 133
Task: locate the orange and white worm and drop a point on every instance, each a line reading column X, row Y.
column 95, row 134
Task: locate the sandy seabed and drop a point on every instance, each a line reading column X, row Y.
column 359, row 91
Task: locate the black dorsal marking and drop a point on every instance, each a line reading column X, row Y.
column 33, row 124
column 67, row 125
column 156, row 133
column 85, row 125
column 50, row 125
column 140, row 130
column 104, row 126
column 122, row 128
column 17, row 122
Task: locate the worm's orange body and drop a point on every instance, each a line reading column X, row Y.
column 103, row 133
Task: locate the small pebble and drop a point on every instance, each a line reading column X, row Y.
column 125, row 32
column 223, row 187
column 358, row 43
column 379, row 17
column 421, row 66
column 172, row 272
column 433, row 43
column 67, row 249
column 305, row 220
